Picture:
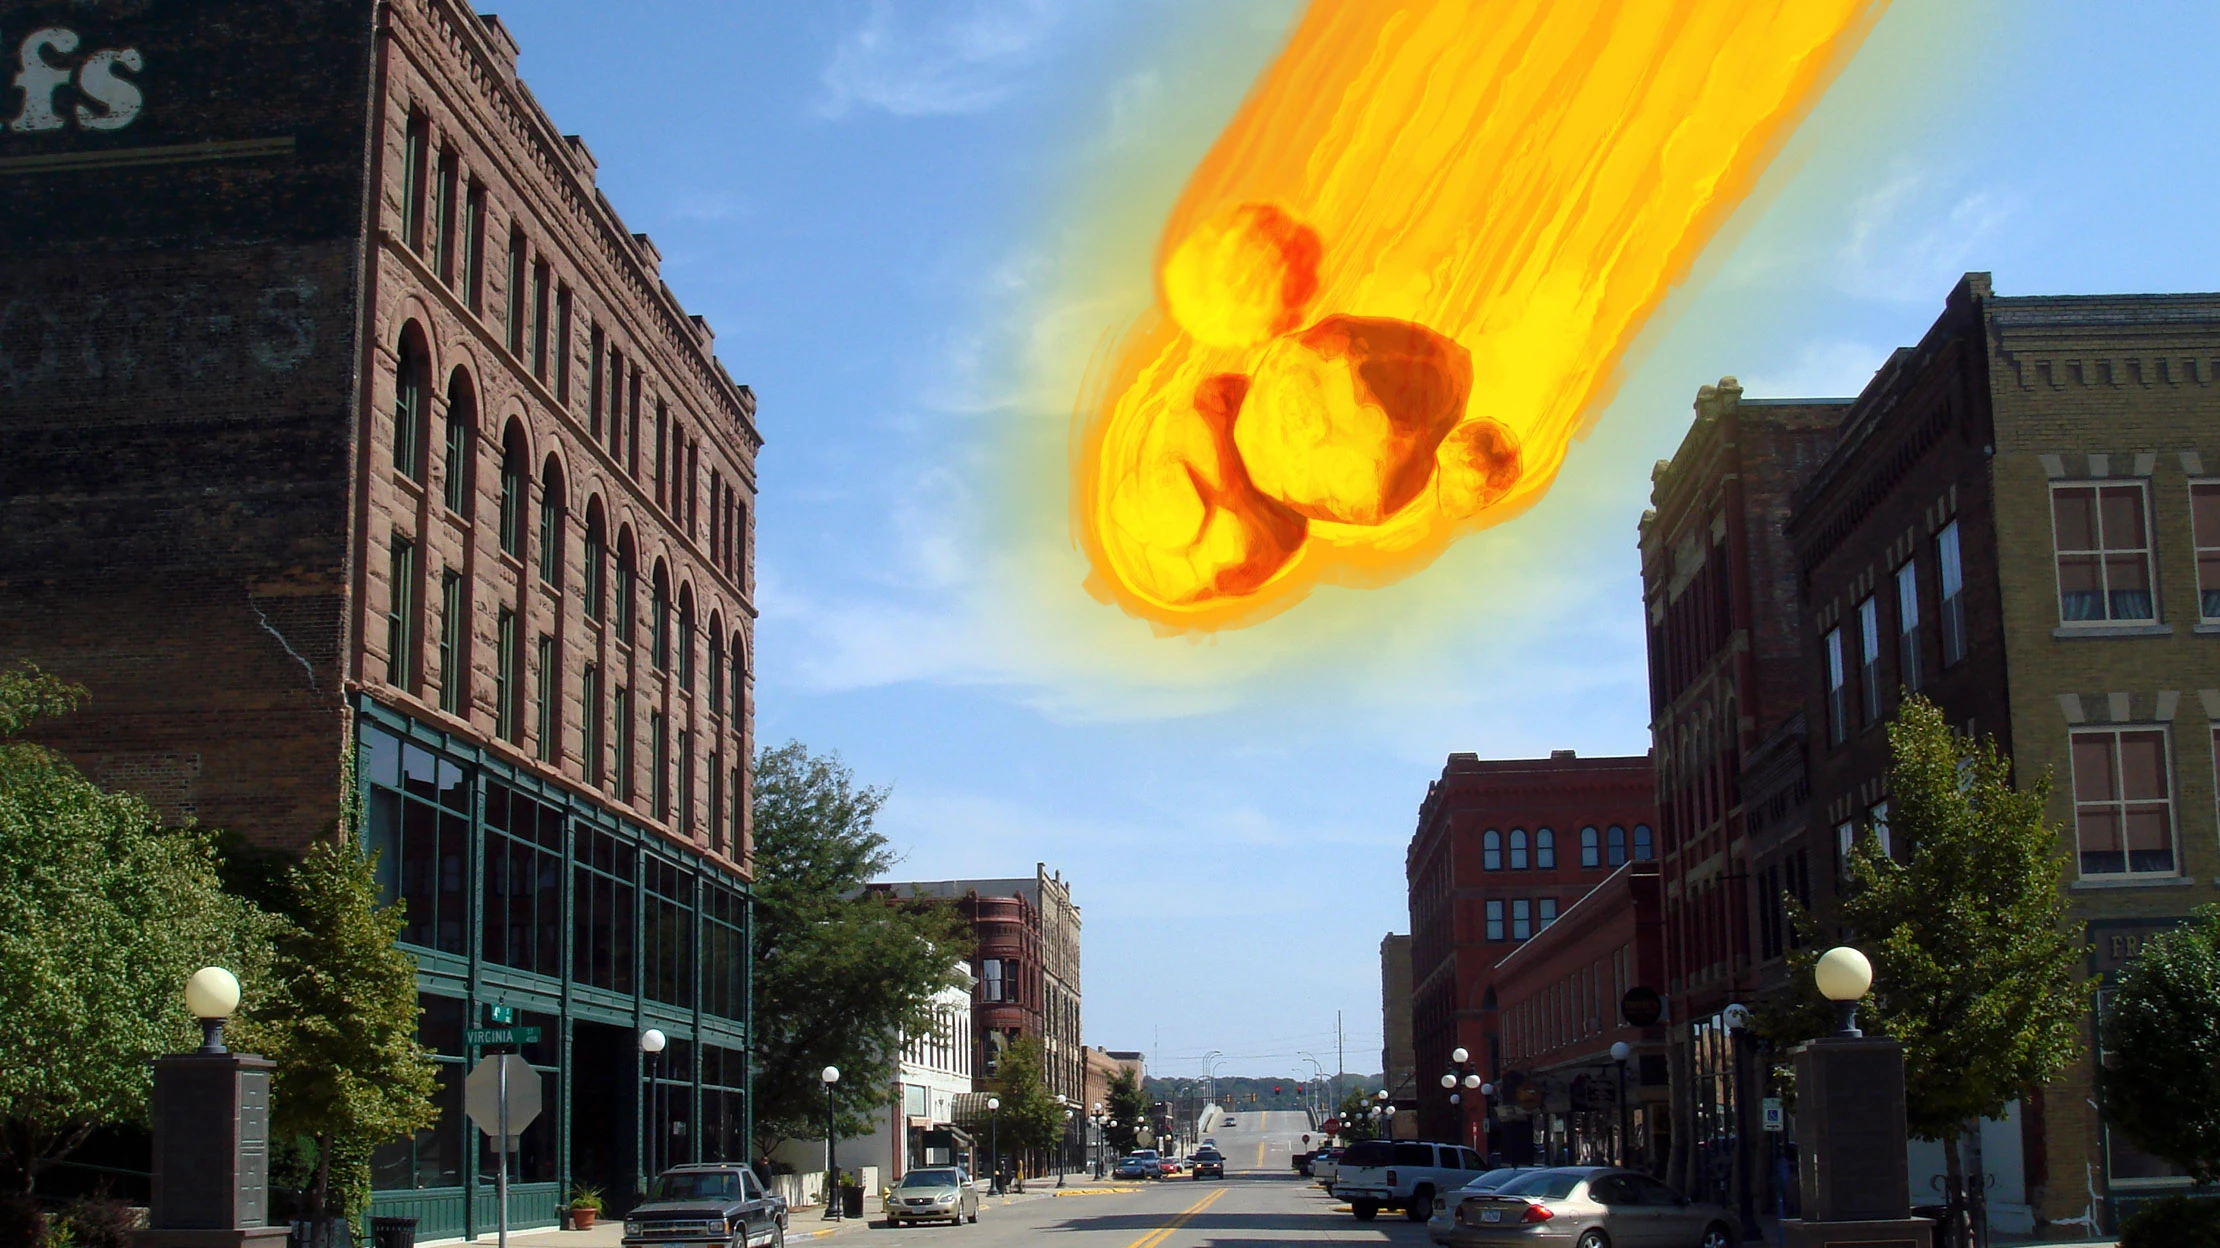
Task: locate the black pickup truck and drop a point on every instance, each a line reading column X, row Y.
column 707, row 1206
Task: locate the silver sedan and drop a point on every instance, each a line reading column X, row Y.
column 940, row 1194
column 1585, row 1207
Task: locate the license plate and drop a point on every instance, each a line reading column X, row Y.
column 1491, row 1215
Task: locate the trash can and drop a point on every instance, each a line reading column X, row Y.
column 393, row 1232
column 851, row 1206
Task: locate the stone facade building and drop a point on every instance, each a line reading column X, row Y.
column 2022, row 522
column 346, row 433
column 1502, row 848
column 1399, row 1066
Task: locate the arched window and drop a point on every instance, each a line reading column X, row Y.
column 1615, row 847
column 551, row 523
column 462, row 443
column 1591, row 847
column 515, row 471
column 686, row 638
column 597, row 555
column 1491, row 850
column 409, row 384
column 659, row 618
column 1518, row 849
column 628, row 577
column 1545, row 850
column 1645, row 843
column 716, row 667
column 739, row 672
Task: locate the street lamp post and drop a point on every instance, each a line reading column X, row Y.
column 1462, row 1076
column 831, row 1076
column 1620, row 1051
column 1385, row 1114
column 1094, row 1149
column 994, row 1140
column 652, row 1043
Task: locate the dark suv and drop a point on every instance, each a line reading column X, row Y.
column 1208, row 1161
column 701, row 1206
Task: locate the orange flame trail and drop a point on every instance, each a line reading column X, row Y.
column 1407, row 273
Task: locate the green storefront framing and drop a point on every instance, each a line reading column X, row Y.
column 700, row 938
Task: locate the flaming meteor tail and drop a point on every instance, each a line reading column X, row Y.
column 1407, row 273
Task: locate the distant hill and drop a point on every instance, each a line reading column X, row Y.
column 1254, row 1091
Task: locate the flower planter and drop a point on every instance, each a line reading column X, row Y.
column 583, row 1219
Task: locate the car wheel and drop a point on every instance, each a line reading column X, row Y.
column 778, row 1237
column 1421, row 1206
column 1718, row 1236
column 1364, row 1209
column 1593, row 1238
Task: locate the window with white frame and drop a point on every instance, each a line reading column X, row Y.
column 1878, row 819
column 1907, row 625
column 1950, row 572
column 2103, row 541
column 1846, row 835
column 2204, row 523
column 1838, row 688
column 1869, row 657
column 2123, row 801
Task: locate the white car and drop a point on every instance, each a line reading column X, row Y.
column 939, row 1193
column 1402, row 1174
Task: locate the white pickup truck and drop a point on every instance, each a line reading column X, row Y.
column 1402, row 1174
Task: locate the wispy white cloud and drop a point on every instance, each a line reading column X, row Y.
column 1913, row 236
column 1829, row 368
column 922, row 60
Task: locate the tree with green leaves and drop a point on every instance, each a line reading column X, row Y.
column 1031, row 1118
column 841, row 973
column 1976, row 961
column 2161, row 1073
column 1128, row 1107
column 350, row 1073
column 1356, row 1116
column 104, row 914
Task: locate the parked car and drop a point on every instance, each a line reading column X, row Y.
column 1208, row 1161
column 1323, row 1164
column 935, row 1194
column 710, row 1205
column 1445, row 1203
column 1403, row 1174
column 1589, row 1207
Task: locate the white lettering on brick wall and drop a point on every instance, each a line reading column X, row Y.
column 111, row 101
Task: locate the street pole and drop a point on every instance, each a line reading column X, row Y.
column 501, row 1154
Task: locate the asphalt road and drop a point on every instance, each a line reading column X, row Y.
column 1262, row 1200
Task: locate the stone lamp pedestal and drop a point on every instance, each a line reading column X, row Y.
column 211, row 1153
column 1850, row 1140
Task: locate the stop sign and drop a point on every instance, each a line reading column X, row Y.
column 485, row 1088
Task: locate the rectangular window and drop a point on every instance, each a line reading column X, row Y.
column 539, row 320
column 1846, row 835
column 562, row 345
column 616, row 405
column 1838, row 689
column 659, row 746
column 686, row 782
column 2204, row 522
column 443, row 218
column 474, row 247
column 1495, row 919
column 620, row 736
column 1522, row 918
column 1869, row 658
column 662, row 456
column 413, row 151
column 551, row 535
column 2123, row 801
column 457, row 485
column 1952, row 574
column 589, row 725
column 716, row 804
column 2104, row 552
column 594, row 347
column 1545, row 913
column 453, row 612
column 990, row 979
column 400, row 619
column 1878, row 819
column 547, row 700
column 516, row 294
column 504, row 676
column 632, row 431
column 1907, row 625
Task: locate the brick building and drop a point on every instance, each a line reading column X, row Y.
column 2019, row 523
column 346, row 432
column 1557, row 999
column 1727, row 685
column 1501, row 848
column 1398, row 1065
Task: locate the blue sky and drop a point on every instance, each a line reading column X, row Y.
column 912, row 223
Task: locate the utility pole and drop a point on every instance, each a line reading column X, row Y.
column 1340, row 1062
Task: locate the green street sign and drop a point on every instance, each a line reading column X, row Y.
column 502, row 1035
column 501, row 1015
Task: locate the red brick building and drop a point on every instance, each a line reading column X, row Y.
column 1727, row 684
column 1557, row 1006
column 348, row 431
column 1502, row 848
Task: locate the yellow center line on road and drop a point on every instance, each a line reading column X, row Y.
column 1164, row 1232
column 1260, row 1154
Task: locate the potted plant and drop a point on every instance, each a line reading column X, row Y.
column 585, row 1206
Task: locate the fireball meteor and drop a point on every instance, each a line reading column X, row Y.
column 1407, row 273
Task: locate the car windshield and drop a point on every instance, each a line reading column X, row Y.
column 696, row 1185
column 1493, row 1179
column 1369, row 1153
column 1547, row 1184
column 929, row 1178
